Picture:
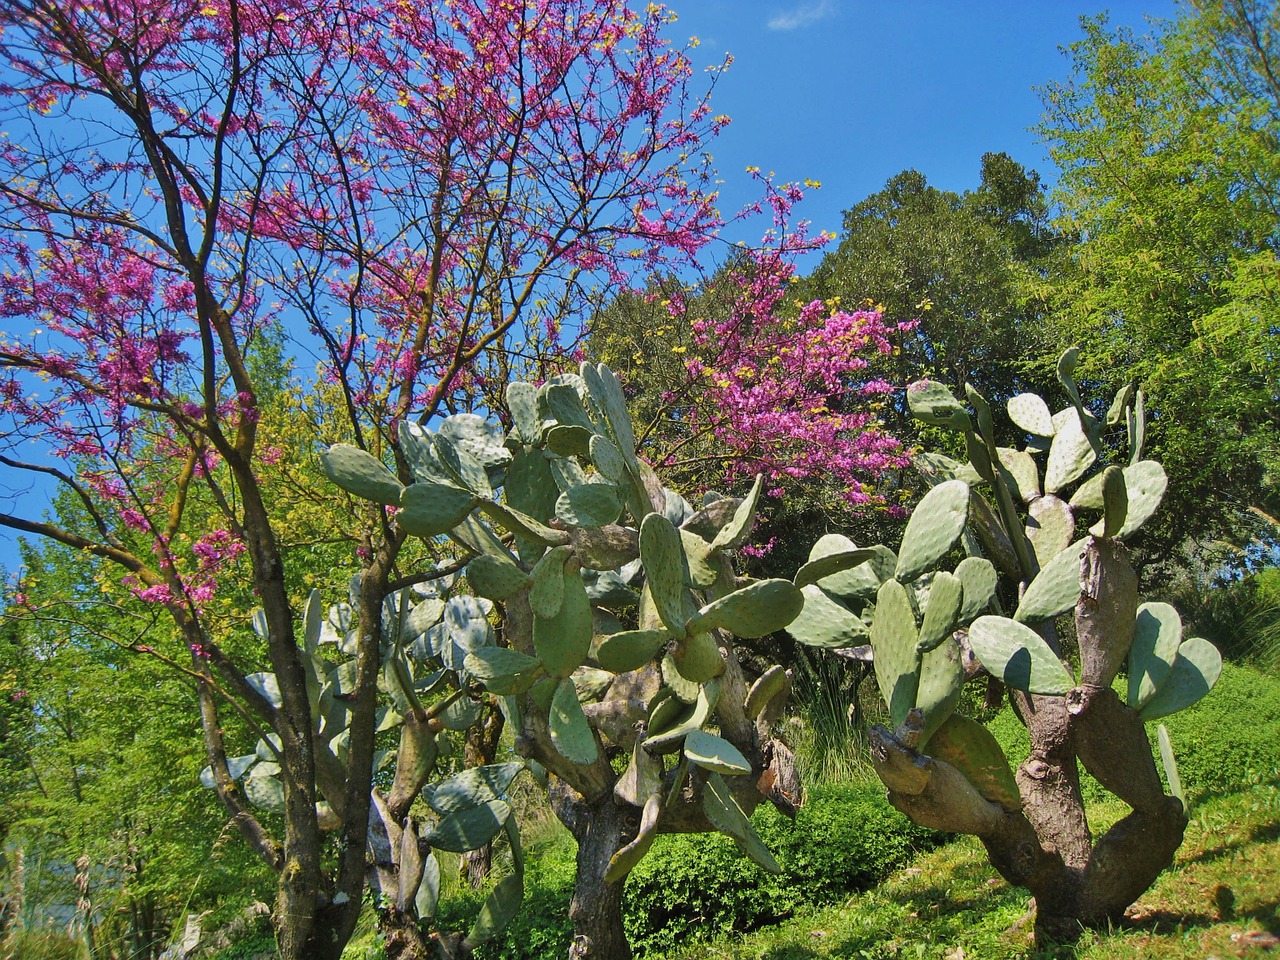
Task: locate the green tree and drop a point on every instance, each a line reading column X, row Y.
column 1171, row 181
column 968, row 266
column 100, row 761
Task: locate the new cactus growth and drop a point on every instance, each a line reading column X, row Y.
column 618, row 604
column 1021, row 512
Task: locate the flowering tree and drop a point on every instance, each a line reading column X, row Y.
column 417, row 195
column 731, row 377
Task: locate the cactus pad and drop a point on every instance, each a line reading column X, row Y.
column 942, row 612
column 1070, row 454
column 723, row 811
column 715, row 753
column 589, row 505
column 428, row 509
column 1055, row 588
column 563, row 641
column 824, row 621
column 978, row 575
column 969, row 747
column 1195, row 671
column 662, row 555
column 1157, row 634
column 495, row 578
column 570, row 732
column 933, row 529
column 361, row 473
column 630, row 649
column 1018, row 655
column 752, row 611
column 893, row 638
column 1031, row 414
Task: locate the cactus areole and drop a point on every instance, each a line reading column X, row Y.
column 933, row 624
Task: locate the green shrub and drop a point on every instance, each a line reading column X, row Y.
column 844, row 839
column 693, row 887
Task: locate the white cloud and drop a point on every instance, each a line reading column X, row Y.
column 804, row 15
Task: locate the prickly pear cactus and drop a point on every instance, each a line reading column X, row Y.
column 427, row 637
column 618, row 602
column 1041, row 528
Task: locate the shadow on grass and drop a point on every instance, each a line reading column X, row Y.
column 1263, row 833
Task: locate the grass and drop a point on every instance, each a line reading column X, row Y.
column 951, row 905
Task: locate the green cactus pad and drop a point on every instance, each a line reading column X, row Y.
column 991, row 533
column 1070, row 454
column 969, row 747
column 826, row 566
column 546, row 591
column 666, row 712
column 1157, row 635
column 703, row 560
column 642, row 777
column 1136, row 422
column 734, row 533
column 523, row 525
column 941, row 680
column 1145, row 482
column 1031, row 414
column 565, row 404
column 936, row 467
column 607, row 393
column 1119, row 405
column 563, row 641
column 495, row 578
column 933, row 529
column 1170, row 765
column 933, row 403
column 1022, row 468
column 668, row 726
column 263, row 790
column 361, row 473
column 1195, row 671
column 752, row 611
column 685, row 689
column 698, row 658
column 1018, row 655
column 625, row 860
column 570, row 733
column 662, row 556
column 825, row 622
column 942, row 612
column 607, row 459
column 727, row 817
column 471, row 787
column 430, row 509
column 978, row 575
column 427, row 898
column 568, row 440
column 522, row 401
column 893, row 638
column 1055, row 588
column 498, row 910
column 504, row 672
column 715, row 753
column 767, row 686
column 630, row 649
column 1088, row 495
column 859, row 582
column 469, row 828
column 1115, row 503
column 1050, row 527
column 589, row 505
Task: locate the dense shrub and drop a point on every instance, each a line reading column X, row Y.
column 845, row 838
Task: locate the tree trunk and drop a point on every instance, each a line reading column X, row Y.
column 600, row 829
column 402, row 937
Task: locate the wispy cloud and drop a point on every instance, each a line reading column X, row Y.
column 804, row 15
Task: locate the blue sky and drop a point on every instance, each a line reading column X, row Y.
column 852, row 92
